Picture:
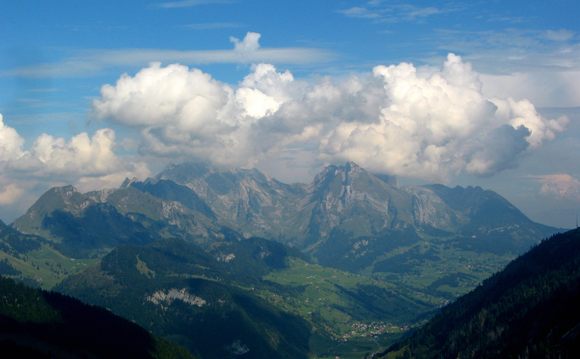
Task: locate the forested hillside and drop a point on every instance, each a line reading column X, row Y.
column 528, row 310
column 36, row 323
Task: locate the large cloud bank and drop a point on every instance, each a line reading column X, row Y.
column 403, row 120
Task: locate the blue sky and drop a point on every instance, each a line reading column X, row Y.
column 60, row 127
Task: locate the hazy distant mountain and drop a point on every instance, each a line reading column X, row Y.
column 172, row 191
column 530, row 309
column 246, row 200
column 85, row 224
column 345, row 207
column 79, row 224
column 347, row 202
column 349, row 199
column 344, row 198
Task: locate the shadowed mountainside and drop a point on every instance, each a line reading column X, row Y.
column 45, row 324
column 530, row 309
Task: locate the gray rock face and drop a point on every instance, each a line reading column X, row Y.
column 246, row 200
column 350, row 199
column 126, row 201
column 430, row 210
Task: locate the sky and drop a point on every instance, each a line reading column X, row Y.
column 457, row 92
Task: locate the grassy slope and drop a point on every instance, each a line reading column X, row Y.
column 226, row 314
column 45, row 267
column 346, row 312
column 437, row 268
column 352, row 314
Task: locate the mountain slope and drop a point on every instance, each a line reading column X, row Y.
column 246, row 200
column 353, row 215
column 349, row 199
column 83, row 225
column 38, row 323
column 492, row 220
column 202, row 301
column 172, row 191
column 33, row 259
column 436, row 239
column 530, row 309
column 254, row 292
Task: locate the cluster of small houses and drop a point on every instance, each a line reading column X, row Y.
column 373, row 329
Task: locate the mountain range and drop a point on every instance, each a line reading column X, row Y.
column 347, row 261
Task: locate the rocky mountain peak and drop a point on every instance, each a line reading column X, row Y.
column 65, row 198
column 342, row 173
column 351, row 166
column 349, row 198
column 128, row 182
column 388, row 179
column 66, row 191
column 185, row 172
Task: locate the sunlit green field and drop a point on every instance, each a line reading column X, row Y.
column 45, row 266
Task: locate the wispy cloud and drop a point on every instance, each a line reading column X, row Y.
column 360, row 12
column 213, row 25
column 513, row 49
column 191, row 3
column 558, row 35
column 245, row 51
column 495, row 18
column 44, row 90
column 421, row 12
column 381, row 12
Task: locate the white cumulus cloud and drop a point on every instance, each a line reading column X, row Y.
column 160, row 96
column 251, row 42
column 399, row 119
column 183, row 111
column 10, row 142
column 436, row 124
column 80, row 155
column 82, row 159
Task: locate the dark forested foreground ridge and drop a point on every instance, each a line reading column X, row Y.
column 36, row 323
column 531, row 309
